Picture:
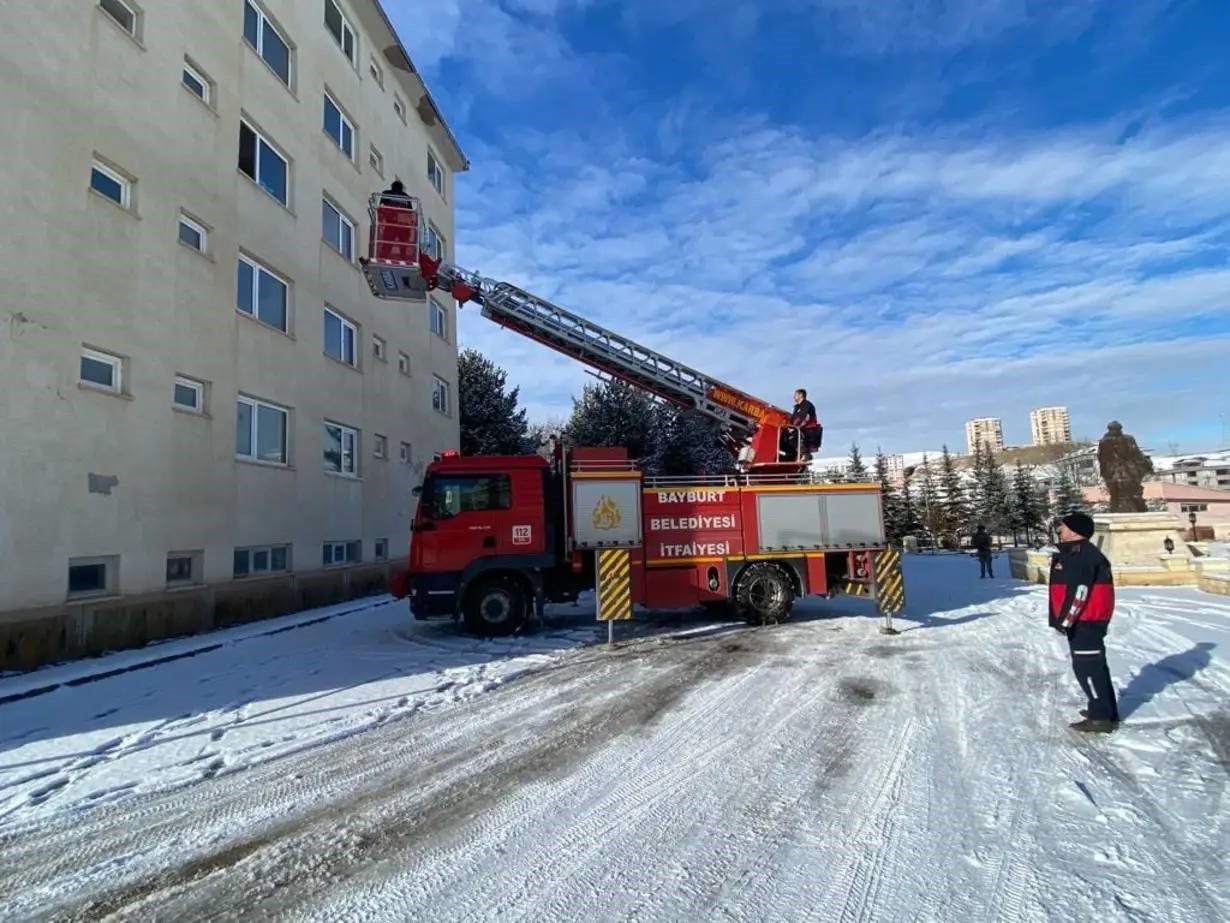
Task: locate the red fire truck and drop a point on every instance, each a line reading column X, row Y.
column 495, row 538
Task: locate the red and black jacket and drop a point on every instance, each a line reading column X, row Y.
column 1082, row 589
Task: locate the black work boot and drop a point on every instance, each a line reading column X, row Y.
column 1093, row 726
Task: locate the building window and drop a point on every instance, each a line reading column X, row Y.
column 266, row 41
column 340, row 338
column 125, row 15
column 439, row 395
column 261, row 294
column 338, row 127
column 438, row 318
column 342, row 553
column 435, row 173
column 341, row 449
column 378, row 348
column 338, row 230
column 93, row 576
column 195, row 81
column 264, row 559
column 399, row 108
column 259, row 160
column 260, row 431
column 404, row 453
column 403, row 363
column 435, row 244
column 193, row 234
column 377, row 72
column 189, row 395
column 111, row 184
column 339, row 28
column 382, row 549
column 1193, row 507
column 380, row 446
column 184, row 567
column 102, row 370
column 376, row 159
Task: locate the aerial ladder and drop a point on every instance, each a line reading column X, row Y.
column 400, row 264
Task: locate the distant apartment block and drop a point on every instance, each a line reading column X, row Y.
column 1050, row 426
column 205, row 403
column 986, row 430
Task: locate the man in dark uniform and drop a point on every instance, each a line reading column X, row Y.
column 804, row 417
column 982, row 544
column 1082, row 601
column 395, row 194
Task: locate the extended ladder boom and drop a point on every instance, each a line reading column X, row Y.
column 738, row 413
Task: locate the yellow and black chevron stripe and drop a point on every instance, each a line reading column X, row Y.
column 890, row 587
column 614, row 588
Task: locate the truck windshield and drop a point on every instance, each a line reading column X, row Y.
column 445, row 496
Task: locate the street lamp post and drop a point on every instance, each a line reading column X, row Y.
column 1191, row 517
column 1168, row 544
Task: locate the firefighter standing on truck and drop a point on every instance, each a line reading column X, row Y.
column 1082, row 600
column 804, row 417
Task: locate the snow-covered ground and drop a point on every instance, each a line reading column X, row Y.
column 353, row 764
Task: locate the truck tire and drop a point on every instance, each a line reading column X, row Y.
column 494, row 606
column 764, row 594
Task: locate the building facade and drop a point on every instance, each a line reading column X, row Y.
column 987, row 430
column 208, row 418
column 1050, row 426
column 1212, row 471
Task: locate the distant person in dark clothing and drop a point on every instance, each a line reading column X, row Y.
column 804, row 417
column 982, row 544
column 1082, row 601
column 395, row 194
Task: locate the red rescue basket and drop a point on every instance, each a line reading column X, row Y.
column 393, row 245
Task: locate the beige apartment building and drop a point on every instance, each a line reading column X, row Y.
column 987, row 430
column 1050, row 426
column 207, row 417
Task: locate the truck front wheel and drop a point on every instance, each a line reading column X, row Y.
column 494, row 606
column 764, row 594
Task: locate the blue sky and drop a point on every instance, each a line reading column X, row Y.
column 920, row 210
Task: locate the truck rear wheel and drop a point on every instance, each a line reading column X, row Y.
column 764, row 594
column 494, row 606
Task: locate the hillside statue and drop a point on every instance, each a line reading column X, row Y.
column 1123, row 467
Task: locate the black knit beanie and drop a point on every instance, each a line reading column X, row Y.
column 1080, row 523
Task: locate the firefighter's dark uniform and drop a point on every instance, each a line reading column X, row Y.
column 1082, row 601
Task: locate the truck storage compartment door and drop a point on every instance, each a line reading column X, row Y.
column 606, row 512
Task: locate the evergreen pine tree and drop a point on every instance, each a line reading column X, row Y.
column 997, row 497
column 954, row 505
column 1068, row 497
column 894, row 518
column 856, row 471
column 687, row 443
column 930, row 510
column 489, row 420
column 614, row 414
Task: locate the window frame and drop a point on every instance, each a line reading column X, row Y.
column 190, row 69
column 133, row 10
column 375, row 159
column 436, row 310
column 376, row 72
column 257, row 175
column 257, row 268
column 125, row 183
column 197, row 387
column 399, row 108
column 377, row 554
column 344, row 222
column 405, row 453
column 440, row 387
column 403, row 363
column 345, row 122
column 437, row 245
column 437, row 180
column 346, row 325
column 380, row 446
column 251, row 551
column 499, row 494
column 380, row 348
column 328, row 555
column 353, row 57
column 186, row 220
column 111, row 577
column 343, row 433
column 265, row 21
column 195, row 575
column 115, row 362
column 256, row 404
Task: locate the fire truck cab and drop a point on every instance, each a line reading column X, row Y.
column 495, row 538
